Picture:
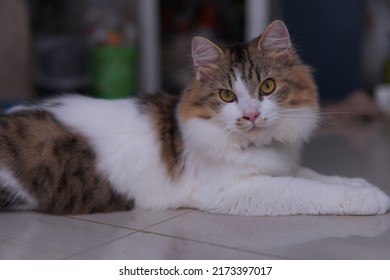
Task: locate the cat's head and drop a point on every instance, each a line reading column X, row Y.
column 251, row 93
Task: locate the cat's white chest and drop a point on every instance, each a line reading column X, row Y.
column 210, row 154
column 235, row 164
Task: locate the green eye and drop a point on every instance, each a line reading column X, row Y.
column 268, row 86
column 227, row 95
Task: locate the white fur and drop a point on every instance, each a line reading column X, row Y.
column 127, row 149
column 263, row 181
column 226, row 171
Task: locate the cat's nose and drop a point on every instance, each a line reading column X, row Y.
column 252, row 116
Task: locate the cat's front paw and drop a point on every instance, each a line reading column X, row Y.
column 369, row 201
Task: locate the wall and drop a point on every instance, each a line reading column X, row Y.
column 15, row 57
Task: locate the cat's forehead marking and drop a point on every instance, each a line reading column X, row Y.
column 239, row 86
column 246, row 101
column 245, row 70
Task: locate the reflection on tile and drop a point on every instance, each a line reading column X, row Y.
column 38, row 236
column 355, row 248
column 136, row 219
column 151, row 246
column 269, row 235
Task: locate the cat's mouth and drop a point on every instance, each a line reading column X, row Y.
column 254, row 128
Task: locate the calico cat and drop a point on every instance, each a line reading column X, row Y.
column 230, row 144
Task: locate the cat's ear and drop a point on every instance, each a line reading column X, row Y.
column 275, row 37
column 205, row 55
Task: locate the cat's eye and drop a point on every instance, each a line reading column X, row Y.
column 268, row 86
column 227, row 95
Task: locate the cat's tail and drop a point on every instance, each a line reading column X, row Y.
column 12, row 197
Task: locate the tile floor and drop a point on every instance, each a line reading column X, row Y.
column 356, row 149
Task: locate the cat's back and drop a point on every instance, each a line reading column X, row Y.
column 88, row 114
column 99, row 120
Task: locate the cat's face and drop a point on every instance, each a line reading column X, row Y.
column 255, row 92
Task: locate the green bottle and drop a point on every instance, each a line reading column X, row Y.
column 114, row 70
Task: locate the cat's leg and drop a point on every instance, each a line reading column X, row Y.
column 264, row 195
column 308, row 173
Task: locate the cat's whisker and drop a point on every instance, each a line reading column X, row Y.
column 224, row 124
column 304, row 109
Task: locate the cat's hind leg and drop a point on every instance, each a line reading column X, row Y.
column 12, row 194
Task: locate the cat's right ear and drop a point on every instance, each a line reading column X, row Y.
column 275, row 37
column 276, row 40
column 205, row 55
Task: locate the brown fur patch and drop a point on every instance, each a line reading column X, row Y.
column 200, row 103
column 298, row 88
column 56, row 165
column 162, row 110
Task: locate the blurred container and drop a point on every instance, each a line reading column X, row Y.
column 113, row 71
column 111, row 31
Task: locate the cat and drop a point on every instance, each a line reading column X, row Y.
column 229, row 144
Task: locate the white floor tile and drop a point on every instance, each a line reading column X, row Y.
column 352, row 248
column 151, row 246
column 277, row 235
column 38, row 236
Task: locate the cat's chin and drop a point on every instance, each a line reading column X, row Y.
column 255, row 129
column 253, row 137
column 252, row 132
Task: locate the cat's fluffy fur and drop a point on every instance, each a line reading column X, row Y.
column 234, row 154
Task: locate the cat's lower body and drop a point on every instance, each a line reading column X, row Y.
column 310, row 194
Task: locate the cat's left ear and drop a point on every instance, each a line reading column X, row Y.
column 206, row 55
column 275, row 38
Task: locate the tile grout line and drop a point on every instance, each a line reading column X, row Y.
column 158, row 223
column 97, row 246
column 144, row 230
column 214, row 244
column 180, row 238
column 123, row 227
column 116, row 239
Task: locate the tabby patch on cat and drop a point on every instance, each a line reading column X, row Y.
column 230, row 144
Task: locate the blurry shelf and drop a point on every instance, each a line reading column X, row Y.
column 257, row 15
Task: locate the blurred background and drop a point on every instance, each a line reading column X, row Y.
column 116, row 48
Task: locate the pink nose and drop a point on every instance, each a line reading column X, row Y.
column 252, row 116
